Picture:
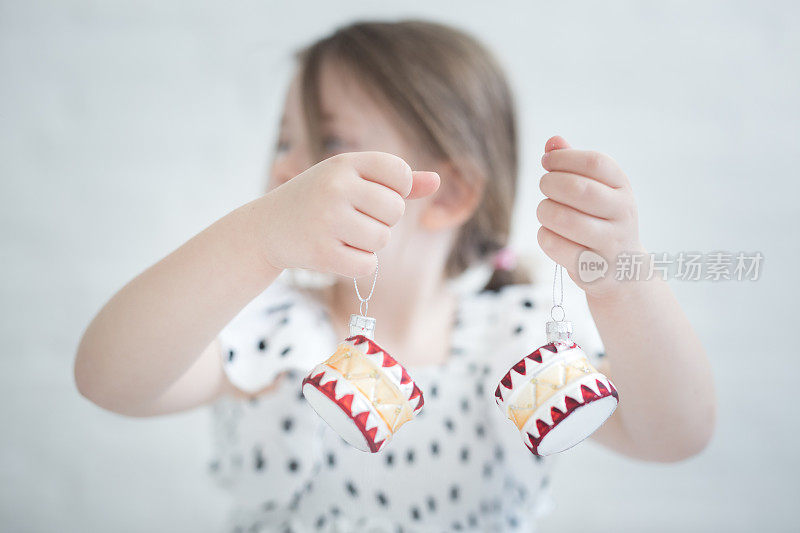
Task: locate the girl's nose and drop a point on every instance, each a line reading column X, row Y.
column 288, row 164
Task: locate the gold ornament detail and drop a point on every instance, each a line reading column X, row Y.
column 363, row 374
column 543, row 386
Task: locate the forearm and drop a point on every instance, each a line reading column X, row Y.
column 667, row 408
column 155, row 328
column 667, row 405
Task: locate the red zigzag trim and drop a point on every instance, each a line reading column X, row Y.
column 345, row 403
column 388, row 360
column 519, row 368
column 589, row 396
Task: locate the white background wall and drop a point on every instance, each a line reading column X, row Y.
column 125, row 127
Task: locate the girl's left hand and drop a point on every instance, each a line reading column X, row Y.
column 589, row 206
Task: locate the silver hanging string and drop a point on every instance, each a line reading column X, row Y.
column 558, row 303
column 363, row 303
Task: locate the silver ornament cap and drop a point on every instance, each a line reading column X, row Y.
column 362, row 325
column 558, row 330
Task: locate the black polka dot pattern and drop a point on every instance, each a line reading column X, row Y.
column 431, row 503
column 454, row 492
column 464, row 454
column 259, row 462
column 442, row 472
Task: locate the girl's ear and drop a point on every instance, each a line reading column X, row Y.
column 455, row 201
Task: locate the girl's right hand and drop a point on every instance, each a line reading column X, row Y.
column 331, row 217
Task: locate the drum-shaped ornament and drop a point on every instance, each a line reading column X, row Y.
column 362, row 393
column 554, row 396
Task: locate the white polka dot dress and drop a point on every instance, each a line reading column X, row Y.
column 459, row 466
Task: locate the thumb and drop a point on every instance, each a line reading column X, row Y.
column 424, row 183
column 557, row 142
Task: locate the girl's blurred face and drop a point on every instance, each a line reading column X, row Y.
column 352, row 122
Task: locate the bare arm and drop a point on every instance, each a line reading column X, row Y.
column 159, row 330
column 152, row 349
column 667, row 407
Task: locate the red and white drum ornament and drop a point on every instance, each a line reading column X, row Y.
column 361, row 391
column 553, row 395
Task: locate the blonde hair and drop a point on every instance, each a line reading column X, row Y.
column 453, row 101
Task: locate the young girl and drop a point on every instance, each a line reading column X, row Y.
column 210, row 323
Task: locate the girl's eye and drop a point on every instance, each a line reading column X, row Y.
column 283, row 146
column 333, row 145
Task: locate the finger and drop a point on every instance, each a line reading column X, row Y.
column 557, row 142
column 351, row 262
column 581, row 193
column 572, row 224
column 363, row 232
column 424, row 183
column 383, row 168
column 591, row 164
column 562, row 251
column 378, row 202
